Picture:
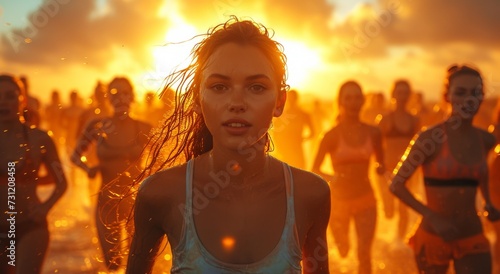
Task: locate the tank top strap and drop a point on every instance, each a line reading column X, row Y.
column 290, row 208
column 188, row 209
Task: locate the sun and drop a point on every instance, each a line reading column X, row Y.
column 171, row 55
column 302, row 61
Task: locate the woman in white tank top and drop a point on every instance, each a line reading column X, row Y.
column 231, row 208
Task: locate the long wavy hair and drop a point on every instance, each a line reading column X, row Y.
column 23, row 98
column 183, row 133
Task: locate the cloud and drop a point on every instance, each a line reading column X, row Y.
column 289, row 18
column 371, row 31
column 69, row 30
column 446, row 21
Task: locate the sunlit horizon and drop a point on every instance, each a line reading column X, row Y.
column 359, row 40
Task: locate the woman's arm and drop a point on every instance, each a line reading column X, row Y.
column 86, row 138
column 413, row 159
column 381, row 181
column 315, row 249
column 493, row 214
column 323, row 149
column 54, row 167
column 148, row 232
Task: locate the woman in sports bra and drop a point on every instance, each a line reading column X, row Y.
column 495, row 187
column 24, row 230
column 452, row 156
column 231, row 208
column 119, row 140
column 398, row 128
column 350, row 145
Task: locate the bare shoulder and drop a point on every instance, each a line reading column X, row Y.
column 309, row 186
column 436, row 133
column 39, row 136
column 331, row 134
column 164, row 185
column 489, row 140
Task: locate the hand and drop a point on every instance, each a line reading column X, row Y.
column 493, row 213
column 92, row 172
column 442, row 227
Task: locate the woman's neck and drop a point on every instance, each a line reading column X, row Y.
column 241, row 167
column 351, row 119
column 458, row 123
column 400, row 108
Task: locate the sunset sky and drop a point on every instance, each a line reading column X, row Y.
column 70, row 44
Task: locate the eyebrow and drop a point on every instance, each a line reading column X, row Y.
column 251, row 77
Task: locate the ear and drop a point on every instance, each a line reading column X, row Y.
column 280, row 103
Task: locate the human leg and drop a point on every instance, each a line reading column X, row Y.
column 32, row 247
column 365, row 223
column 339, row 226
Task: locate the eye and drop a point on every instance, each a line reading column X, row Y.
column 218, row 88
column 257, row 88
column 460, row 92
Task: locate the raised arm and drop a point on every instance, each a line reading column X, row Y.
column 148, row 232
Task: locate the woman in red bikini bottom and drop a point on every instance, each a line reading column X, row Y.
column 351, row 144
column 453, row 160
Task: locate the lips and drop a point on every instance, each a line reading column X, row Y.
column 236, row 126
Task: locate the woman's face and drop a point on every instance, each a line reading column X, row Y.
column 239, row 95
column 120, row 96
column 351, row 101
column 9, row 101
column 401, row 94
column 465, row 94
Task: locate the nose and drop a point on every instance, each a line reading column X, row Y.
column 237, row 102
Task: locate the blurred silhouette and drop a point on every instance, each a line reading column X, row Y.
column 119, row 141
column 53, row 117
column 398, row 128
column 24, row 233
column 374, row 108
column 495, row 186
column 32, row 111
column 291, row 130
column 453, row 158
column 351, row 144
column 419, row 108
column 69, row 123
column 150, row 109
column 98, row 108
